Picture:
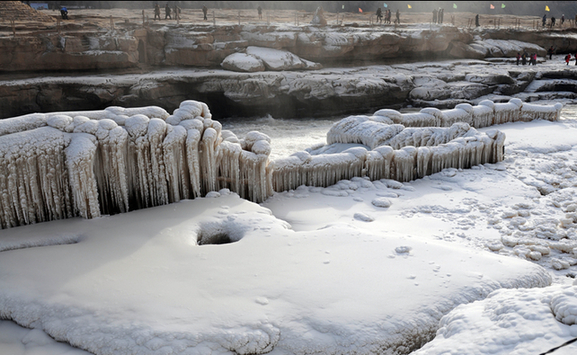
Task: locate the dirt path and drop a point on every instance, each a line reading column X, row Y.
column 104, row 17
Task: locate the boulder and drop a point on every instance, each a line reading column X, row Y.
column 275, row 59
column 243, row 62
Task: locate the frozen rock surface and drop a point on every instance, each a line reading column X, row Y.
column 289, row 94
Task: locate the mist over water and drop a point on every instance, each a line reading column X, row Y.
column 287, row 135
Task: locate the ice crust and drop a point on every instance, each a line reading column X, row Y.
column 90, row 163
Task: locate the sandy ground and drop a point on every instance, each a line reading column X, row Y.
column 102, row 17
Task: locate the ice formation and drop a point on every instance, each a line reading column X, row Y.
column 90, row 163
column 408, row 146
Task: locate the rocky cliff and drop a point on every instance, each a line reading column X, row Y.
column 80, row 47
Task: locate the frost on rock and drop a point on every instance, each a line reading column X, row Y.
column 89, row 163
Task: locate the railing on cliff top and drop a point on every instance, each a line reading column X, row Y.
column 90, row 163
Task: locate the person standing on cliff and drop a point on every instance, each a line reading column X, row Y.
column 156, row 12
column 398, row 17
column 550, row 52
column 552, row 22
column 259, row 9
column 477, row 20
column 379, row 15
column 167, row 12
column 544, row 20
column 441, row 15
column 518, row 57
column 204, row 12
column 567, row 58
column 435, row 16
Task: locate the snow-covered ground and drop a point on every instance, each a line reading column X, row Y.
column 359, row 267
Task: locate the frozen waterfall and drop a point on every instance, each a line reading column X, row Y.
column 89, row 163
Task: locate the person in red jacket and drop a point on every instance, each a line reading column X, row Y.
column 567, row 58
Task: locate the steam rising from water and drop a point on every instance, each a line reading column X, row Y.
column 287, row 135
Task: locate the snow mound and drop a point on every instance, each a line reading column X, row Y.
column 509, row 322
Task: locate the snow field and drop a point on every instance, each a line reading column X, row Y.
column 144, row 282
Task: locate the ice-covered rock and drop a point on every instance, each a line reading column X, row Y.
column 243, row 62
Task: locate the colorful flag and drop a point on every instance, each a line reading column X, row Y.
column 360, row 10
column 492, row 7
column 385, row 4
column 454, row 6
column 547, row 8
column 502, row 6
column 409, row 6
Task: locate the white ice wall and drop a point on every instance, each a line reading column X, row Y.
column 406, row 146
column 88, row 163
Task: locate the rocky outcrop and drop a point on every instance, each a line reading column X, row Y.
column 68, row 52
column 72, row 47
column 287, row 94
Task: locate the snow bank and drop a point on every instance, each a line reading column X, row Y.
column 509, row 322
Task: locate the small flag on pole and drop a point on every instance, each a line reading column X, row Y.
column 502, row 6
column 492, row 7
column 454, row 6
column 410, row 7
column 385, row 5
column 547, row 8
column 360, row 10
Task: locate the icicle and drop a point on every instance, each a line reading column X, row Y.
column 176, row 169
column 530, row 112
column 483, row 114
column 404, row 162
column 80, row 155
column 423, row 161
column 207, row 150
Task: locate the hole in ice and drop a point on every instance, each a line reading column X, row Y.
column 225, row 231
column 213, row 238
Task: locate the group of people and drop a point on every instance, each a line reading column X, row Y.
column 554, row 20
column 438, row 15
column 387, row 18
column 524, row 58
column 177, row 10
